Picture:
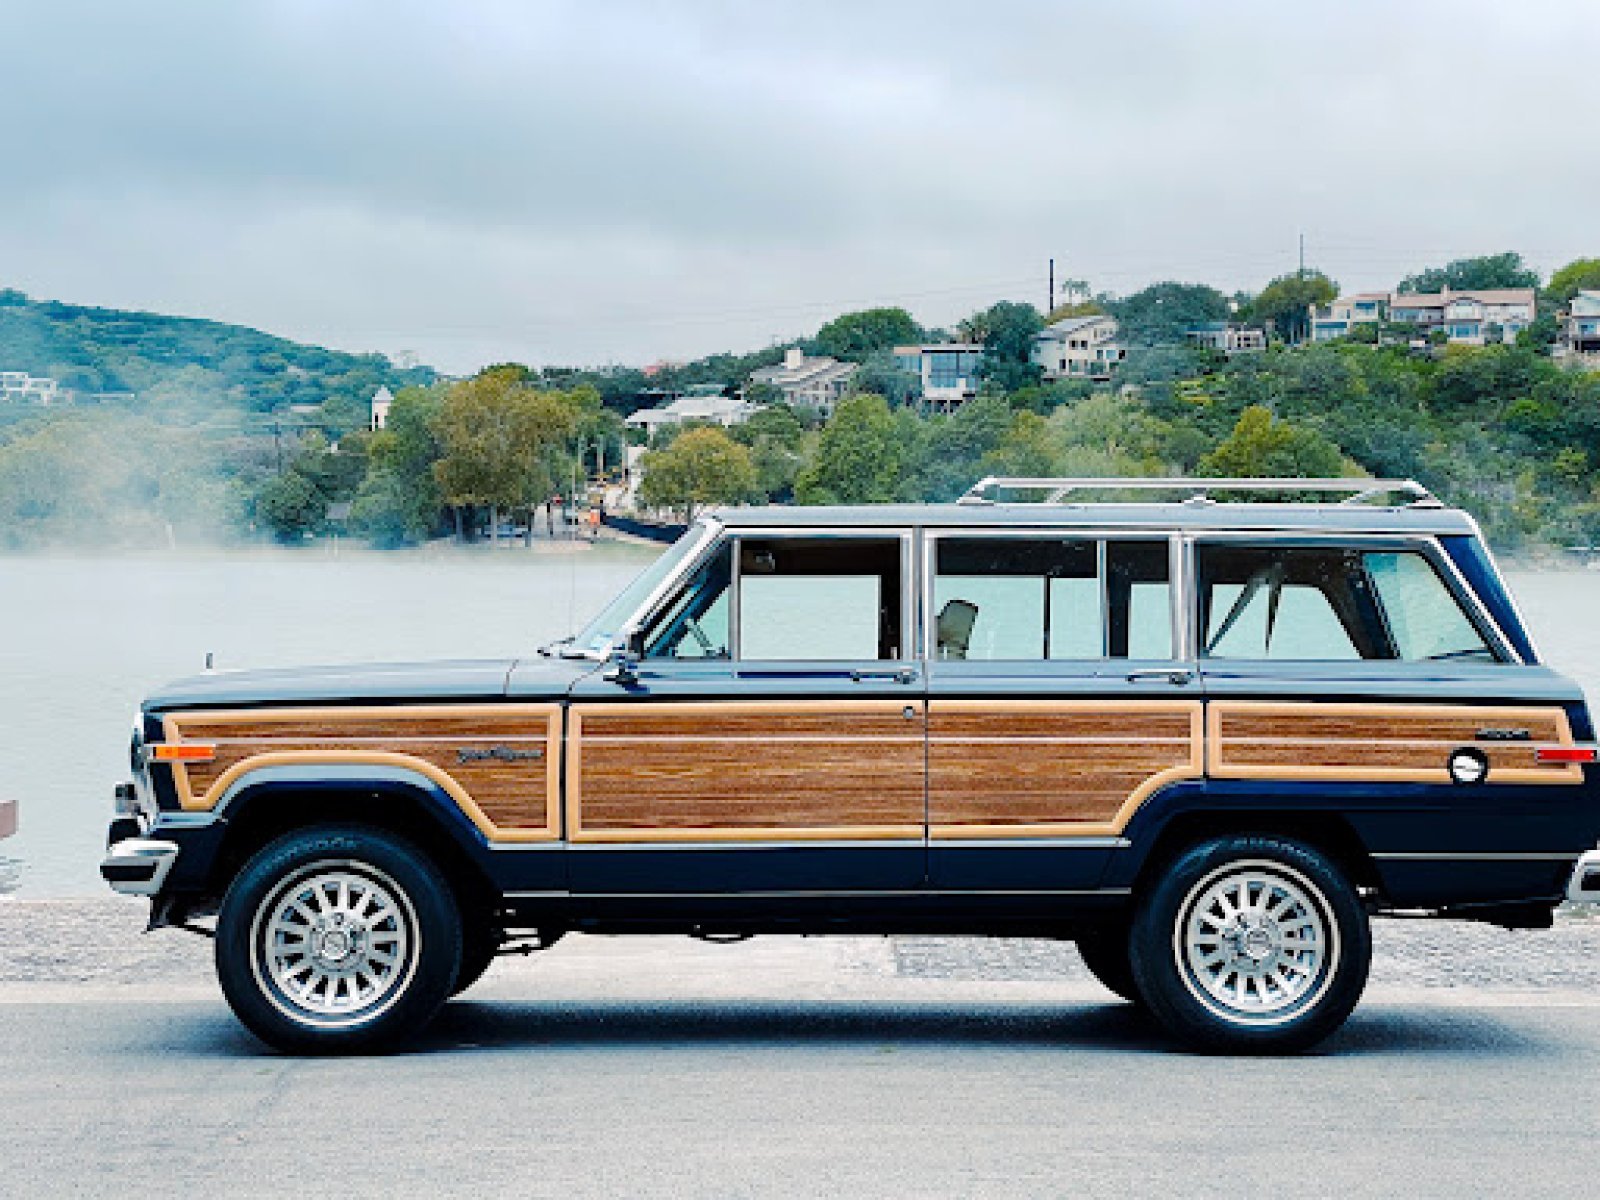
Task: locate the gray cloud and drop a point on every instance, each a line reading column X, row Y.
column 477, row 180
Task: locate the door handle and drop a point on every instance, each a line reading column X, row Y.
column 901, row 676
column 1175, row 675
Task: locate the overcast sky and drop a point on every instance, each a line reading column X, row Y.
column 599, row 182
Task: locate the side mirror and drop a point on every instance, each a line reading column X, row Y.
column 625, row 656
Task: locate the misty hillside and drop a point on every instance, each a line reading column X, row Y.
column 164, row 359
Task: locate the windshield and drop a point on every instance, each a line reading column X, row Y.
column 596, row 637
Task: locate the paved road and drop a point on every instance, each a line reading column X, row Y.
column 848, row 1067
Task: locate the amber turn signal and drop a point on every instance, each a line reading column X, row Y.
column 1567, row 754
column 183, row 752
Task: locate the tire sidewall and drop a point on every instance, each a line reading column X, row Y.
column 1161, row 979
column 437, row 934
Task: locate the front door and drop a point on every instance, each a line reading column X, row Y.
column 773, row 739
column 1058, row 700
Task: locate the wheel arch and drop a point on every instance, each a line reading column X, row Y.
column 272, row 803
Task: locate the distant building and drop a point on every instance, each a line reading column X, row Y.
column 1345, row 313
column 948, row 370
column 808, row 382
column 19, row 387
column 703, row 402
column 381, row 400
column 1079, row 348
column 1468, row 316
column 1227, row 339
column 1580, row 329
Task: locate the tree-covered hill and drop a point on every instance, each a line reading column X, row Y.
column 165, row 360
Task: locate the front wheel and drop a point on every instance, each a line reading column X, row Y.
column 336, row 940
column 1251, row 945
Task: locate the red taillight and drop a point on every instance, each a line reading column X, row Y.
column 1567, row 754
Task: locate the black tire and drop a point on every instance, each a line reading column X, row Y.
column 480, row 944
column 338, row 940
column 1279, row 974
column 1105, row 954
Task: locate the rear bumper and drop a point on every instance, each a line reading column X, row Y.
column 138, row 866
column 1585, row 885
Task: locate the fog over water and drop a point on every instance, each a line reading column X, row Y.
column 82, row 639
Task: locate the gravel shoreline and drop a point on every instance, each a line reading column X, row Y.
column 102, row 942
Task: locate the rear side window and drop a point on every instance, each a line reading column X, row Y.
column 1329, row 604
column 1037, row 599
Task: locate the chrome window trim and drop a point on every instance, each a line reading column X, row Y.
column 931, row 534
column 709, row 530
column 1425, row 543
column 1505, row 590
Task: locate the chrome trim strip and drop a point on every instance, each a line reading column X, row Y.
column 906, row 843
column 820, row 893
column 1477, row 856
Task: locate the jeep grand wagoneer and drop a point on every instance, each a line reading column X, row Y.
column 1205, row 740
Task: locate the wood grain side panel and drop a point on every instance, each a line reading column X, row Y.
column 732, row 771
column 1052, row 767
column 1381, row 742
column 512, row 798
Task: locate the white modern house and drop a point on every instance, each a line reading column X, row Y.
column 1226, row 338
column 948, row 370
column 1345, row 313
column 1079, row 348
column 703, row 402
column 806, row 381
column 380, row 403
column 1580, row 330
column 1469, row 317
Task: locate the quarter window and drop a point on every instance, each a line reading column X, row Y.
column 1329, row 604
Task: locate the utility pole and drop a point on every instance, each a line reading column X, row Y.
column 1051, row 306
column 1302, row 255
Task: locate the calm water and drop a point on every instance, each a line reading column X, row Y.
column 82, row 639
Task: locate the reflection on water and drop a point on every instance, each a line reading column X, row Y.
column 81, row 640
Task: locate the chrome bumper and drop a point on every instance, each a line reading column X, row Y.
column 138, row 866
column 1585, row 885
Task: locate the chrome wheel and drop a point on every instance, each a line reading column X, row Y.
column 335, row 944
column 1255, row 943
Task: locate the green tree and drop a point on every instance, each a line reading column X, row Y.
column 399, row 500
column 1581, row 274
column 858, row 457
column 880, row 374
column 703, row 466
column 1263, row 446
column 1161, row 313
column 1286, row 303
column 291, row 506
column 857, row 336
column 1006, row 330
column 1489, row 271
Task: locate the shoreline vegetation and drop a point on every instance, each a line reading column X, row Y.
column 229, row 436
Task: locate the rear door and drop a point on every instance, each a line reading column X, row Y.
column 772, row 742
column 1059, row 699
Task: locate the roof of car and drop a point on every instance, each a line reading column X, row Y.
column 1201, row 516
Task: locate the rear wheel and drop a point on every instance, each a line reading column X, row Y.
column 336, row 940
column 1251, row 945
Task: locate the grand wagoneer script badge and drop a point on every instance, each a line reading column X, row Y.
column 504, row 754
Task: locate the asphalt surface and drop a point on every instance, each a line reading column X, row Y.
column 788, row 1067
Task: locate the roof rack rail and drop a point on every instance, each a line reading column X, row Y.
column 1198, row 491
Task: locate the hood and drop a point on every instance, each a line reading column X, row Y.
column 479, row 679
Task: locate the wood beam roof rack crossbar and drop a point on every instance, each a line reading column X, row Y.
column 999, row 488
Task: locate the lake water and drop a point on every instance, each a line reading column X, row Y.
column 83, row 639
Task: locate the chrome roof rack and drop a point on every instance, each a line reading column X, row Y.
column 997, row 488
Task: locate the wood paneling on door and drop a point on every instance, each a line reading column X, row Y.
column 1015, row 767
column 746, row 771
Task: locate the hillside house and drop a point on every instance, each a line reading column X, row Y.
column 948, row 371
column 806, row 381
column 1079, row 348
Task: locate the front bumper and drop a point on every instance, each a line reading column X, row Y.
column 138, row 866
column 1585, row 885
